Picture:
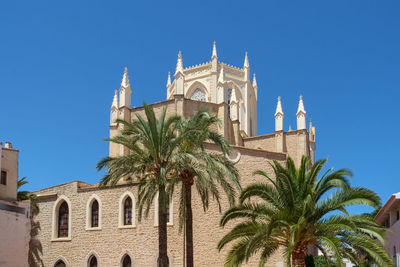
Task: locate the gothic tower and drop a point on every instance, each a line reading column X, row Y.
column 217, row 82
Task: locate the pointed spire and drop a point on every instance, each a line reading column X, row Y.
column 254, row 81
column 278, row 107
column 179, row 63
column 300, row 108
column 169, row 79
column 290, row 128
column 115, row 99
column 221, row 75
column 246, row 61
column 125, row 91
column 301, row 115
column 279, row 116
column 125, row 79
column 214, row 51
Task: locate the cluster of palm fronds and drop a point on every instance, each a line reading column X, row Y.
column 26, row 195
column 296, row 209
column 293, row 210
column 164, row 153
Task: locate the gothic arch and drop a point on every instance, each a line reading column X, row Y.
column 126, row 253
column 197, row 85
column 61, row 199
column 234, row 86
column 122, row 199
column 89, row 257
column 91, row 199
column 60, row 258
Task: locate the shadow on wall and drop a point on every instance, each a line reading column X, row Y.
column 35, row 247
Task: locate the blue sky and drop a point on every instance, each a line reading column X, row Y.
column 60, row 63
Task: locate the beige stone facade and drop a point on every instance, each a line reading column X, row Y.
column 9, row 172
column 110, row 241
column 14, row 215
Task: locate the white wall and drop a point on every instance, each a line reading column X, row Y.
column 14, row 236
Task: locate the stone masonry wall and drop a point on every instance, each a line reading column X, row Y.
column 141, row 242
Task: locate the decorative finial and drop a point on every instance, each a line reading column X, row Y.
column 279, row 107
column 300, row 108
column 115, row 99
column 169, row 79
column 246, row 61
column 214, row 51
column 254, row 81
column 125, row 79
column 290, row 128
column 179, row 63
column 301, row 115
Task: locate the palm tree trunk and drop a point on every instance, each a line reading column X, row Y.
column 189, row 225
column 162, row 228
column 298, row 259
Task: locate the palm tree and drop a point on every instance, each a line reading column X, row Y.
column 26, row 195
column 151, row 143
column 35, row 247
column 297, row 209
column 196, row 166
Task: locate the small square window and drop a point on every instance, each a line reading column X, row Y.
column 3, row 179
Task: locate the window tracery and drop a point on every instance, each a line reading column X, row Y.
column 63, row 217
column 198, row 95
column 95, row 214
column 128, row 211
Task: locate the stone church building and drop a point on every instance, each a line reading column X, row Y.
column 82, row 225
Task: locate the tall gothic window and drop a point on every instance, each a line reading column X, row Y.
column 128, row 211
column 63, row 216
column 93, row 261
column 127, row 262
column 198, row 95
column 95, row 214
column 229, row 101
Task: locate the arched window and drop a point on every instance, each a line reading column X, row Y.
column 92, row 261
column 126, row 214
column 63, row 218
column 198, row 95
column 127, row 262
column 229, row 101
column 60, row 263
column 128, row 211
column 95, row 214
